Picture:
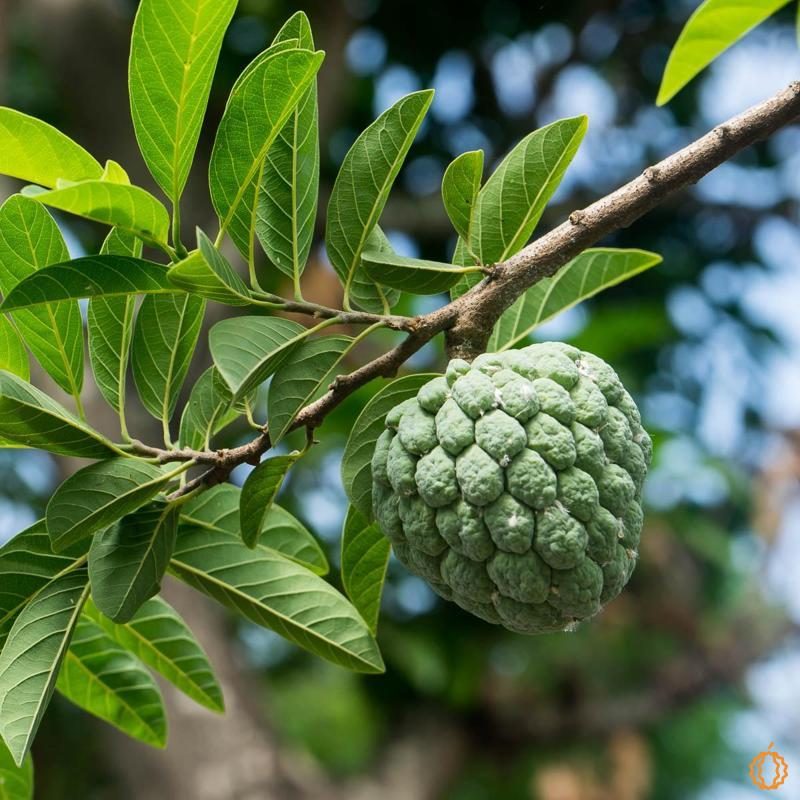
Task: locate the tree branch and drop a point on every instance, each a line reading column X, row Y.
column 468, row 321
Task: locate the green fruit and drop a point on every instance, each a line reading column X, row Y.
column 514, row 485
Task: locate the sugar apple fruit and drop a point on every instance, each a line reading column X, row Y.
column 513, row 485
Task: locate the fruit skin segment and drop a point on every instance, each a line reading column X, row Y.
column 513, row 485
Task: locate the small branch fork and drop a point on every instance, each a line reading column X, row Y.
column 468, row 321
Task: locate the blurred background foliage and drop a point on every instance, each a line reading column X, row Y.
column 688, row 674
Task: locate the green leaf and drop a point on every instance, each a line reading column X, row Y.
column 357, row 456
column 413, row 275
column 208, row 273
column 299, row 381
column 174, row 51
column 247, row 350
column 277, row 593
column 259, row 106
column 129, row 208
column 365, row 558
column 30, row 240
column 365, row 179
column 218, row 510
column 128, row 560
column 28, row 564
column 460, row 186
column 208, row 410
column 159, row 638
column 511, row 203
column 110, row 326
column 13, row 355
column 28, row 417
column 259, row 492
column 164, row 341
column 104, row 679
column 583, row 277
column 364, row 292
column 99, row 495
column 90, row 276
column 32, row 656
column 34, row 151
column 16, row 783
column 114, row 173
column 289, row 188
column 712, row 29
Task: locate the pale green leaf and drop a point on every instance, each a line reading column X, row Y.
column 28, row 417
column 413, row 275
column 299, row 381
column 34, row 151
column 218, row 509
column 512, row 201
column 99, row 495
column 29, row 241
column 159, row 638
column 115, row 173
column 276, row 592
column 287, row 198
column 357, row 456
column 460, row 186
column 128, row 560
column 129, row 208
column 13, row 355
column 712, row 29
column 365, row 558
column 259, row 106
column 174, row 51
column 28, row 564
column 365, row 179
column 90, row 276
column 104, row 679
column 208, row 410
column 110, row 326
column 16, row 783
column 259, row 492
column 208, row 273
column 247, row 350
column 583, row 277
column 164, row 341
column 32, row 656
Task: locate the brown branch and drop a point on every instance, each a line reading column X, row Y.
column 468, row 321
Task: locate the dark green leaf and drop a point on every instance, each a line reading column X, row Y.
column 365, row 557
column 591, row 272
column 104, row 679
column 29, row 241
column 460, row 186
column 99, row 495
column 28, row 417
column 364, row 181
column 164, row 341
column 174, row 52
column 364, row 292
column 287, row 199
column 110, row 326
column 247, row 350
column 16, row 783
column 34, row 151
column 159, row 638
column 712, row 29
column 32, row 657
column 129, row 208
column 128, row 560
column 218, row 509
column 260, row 105
column 208, row 410
column 412, row 275
column 273, row 591
column 357, row 456
column 298, row 382
column 259, row 493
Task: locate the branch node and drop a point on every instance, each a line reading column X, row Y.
column 652, row 174
column 577, row 217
